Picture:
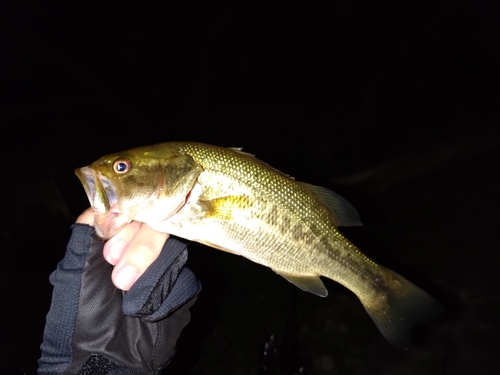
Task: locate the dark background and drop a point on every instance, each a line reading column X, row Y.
column 392, row 104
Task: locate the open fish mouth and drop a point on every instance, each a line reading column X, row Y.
column 100, row 191
column 102, row 195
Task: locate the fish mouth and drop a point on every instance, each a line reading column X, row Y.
column 103, row 198
column 100, row 191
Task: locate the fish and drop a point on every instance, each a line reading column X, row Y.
column 230, row 200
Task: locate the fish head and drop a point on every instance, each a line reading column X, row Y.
column 147, row 184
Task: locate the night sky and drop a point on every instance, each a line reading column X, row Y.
column 394, row 105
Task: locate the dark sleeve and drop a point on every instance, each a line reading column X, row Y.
column 94, row 328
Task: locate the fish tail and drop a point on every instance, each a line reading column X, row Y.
column 404, row 305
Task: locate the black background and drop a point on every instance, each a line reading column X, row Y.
column 393, row 104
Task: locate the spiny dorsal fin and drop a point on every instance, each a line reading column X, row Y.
column 239, row 151
column 344, row 214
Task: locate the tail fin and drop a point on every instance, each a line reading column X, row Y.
column 405, row 306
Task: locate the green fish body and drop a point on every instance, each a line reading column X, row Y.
column 230, row 200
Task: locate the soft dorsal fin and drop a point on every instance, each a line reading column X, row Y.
column 344, row 214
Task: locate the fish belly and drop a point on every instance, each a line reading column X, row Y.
column 242, row 223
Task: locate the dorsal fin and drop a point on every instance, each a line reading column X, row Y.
column 239, row 150
column 344, row 214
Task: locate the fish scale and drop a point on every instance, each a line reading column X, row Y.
column 280, row 187
column 230, row 200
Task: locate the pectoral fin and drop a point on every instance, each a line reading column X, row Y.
column 311, row 284
column 224, row 207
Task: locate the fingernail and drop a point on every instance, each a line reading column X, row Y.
column 125, row 277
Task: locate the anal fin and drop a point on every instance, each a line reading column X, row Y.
column 311, row 284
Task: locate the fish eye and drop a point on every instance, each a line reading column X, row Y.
column 121, row 166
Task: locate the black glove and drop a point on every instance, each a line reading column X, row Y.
column 93, row 328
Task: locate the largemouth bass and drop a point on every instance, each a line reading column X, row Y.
column 230, row 200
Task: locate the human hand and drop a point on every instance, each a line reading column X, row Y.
column 91, row 325
column 131, row 251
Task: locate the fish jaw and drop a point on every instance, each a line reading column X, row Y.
column 94, row 189
column 108, row 224
column 102, row 195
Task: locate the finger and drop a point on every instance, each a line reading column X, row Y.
column 114, row 248
column 138, row 256
column 86, row 217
